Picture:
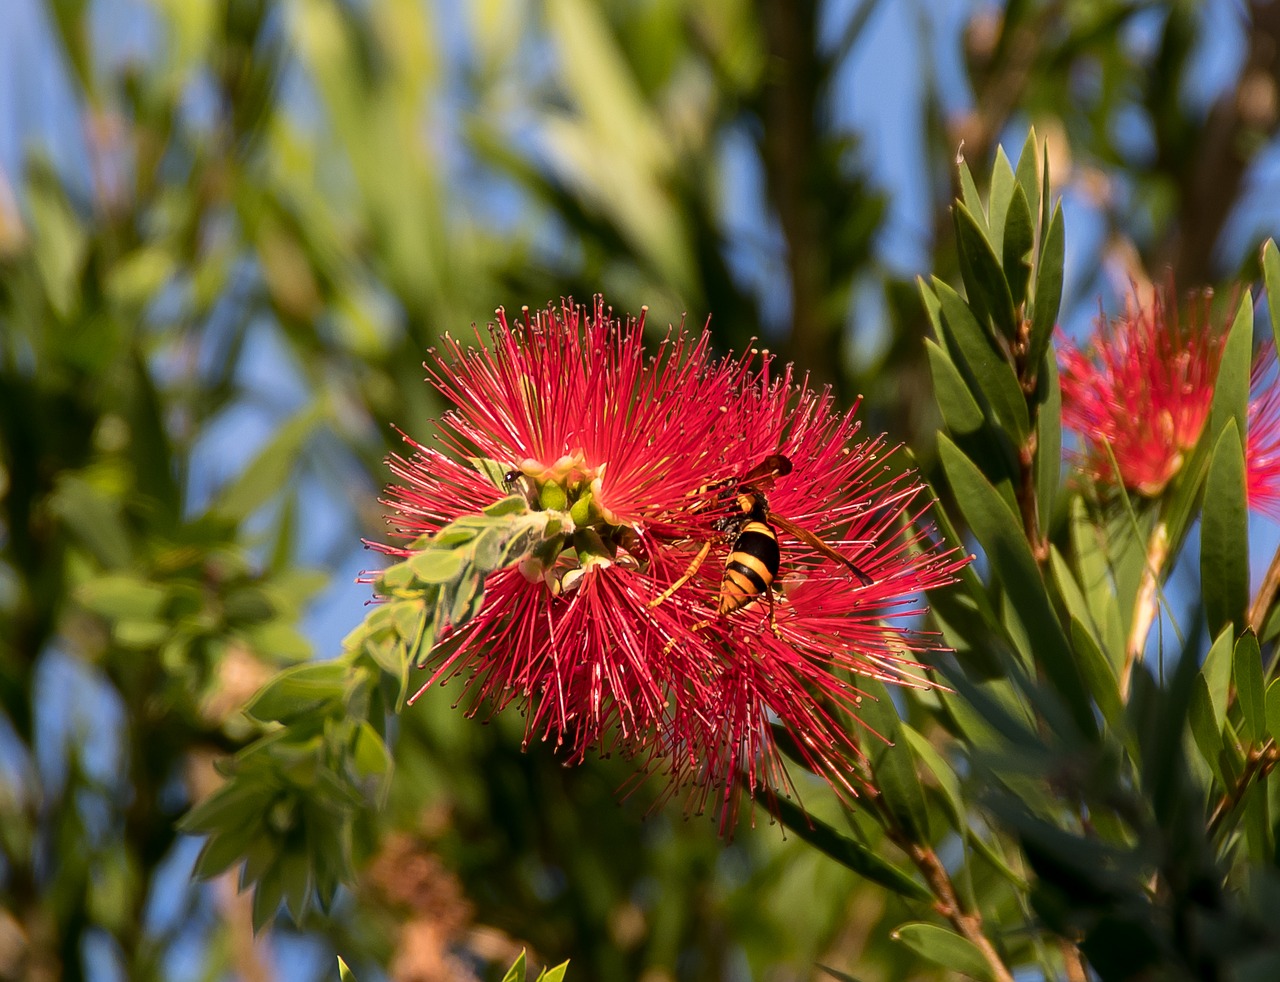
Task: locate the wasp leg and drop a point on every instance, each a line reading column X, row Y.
column 773, row 622
column 684, row 577
column 666, row 649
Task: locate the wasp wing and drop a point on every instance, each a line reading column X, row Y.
column 807, row 537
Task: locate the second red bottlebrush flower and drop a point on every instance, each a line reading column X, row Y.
column 1262, row 447
column 1142, row 387
column 643, row 456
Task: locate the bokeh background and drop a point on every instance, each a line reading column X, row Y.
column 230, row 230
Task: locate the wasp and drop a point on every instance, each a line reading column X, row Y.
column 755, row 556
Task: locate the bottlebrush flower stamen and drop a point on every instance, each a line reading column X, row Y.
column 1141, row 389
column 633, row 452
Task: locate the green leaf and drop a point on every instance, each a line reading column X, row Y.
column 931, row 306
column 1069, row 591
column 268, row 473
column 1089, row 544
column 1271, row 280
column 1217, row 671
column 1044, row 191
column 1019, row 242
column 60, row 240
column 279, row 641
column 850, row 853
column 1273, row 707
column 839, row 976
column 267, row 897
column 555, row 974
column 892, row 763
column 999, row 531
column 1028, row 174
column 299, row 691
column 1205, row 729
column 120, row 596
column 983, row 278
column 345, row 974
column 1048, row 441
column 94, row 518
column 1099, row 675
column 141, row 634
column 948, row 782
column 1231, row 390
column 297, row 882
column 370, row 755
column 437, row 565
column 494, row 471
column 993, row 378
column 233, row 804
column 513, row 504
column 959, row 410
column 945, row 948
column 1000, row 198
column 969, row 195
column 516, row 972
column 1257, row 825
column 1246, row 668
column 226, row 847
column 1224, row 535
column 1048, row 295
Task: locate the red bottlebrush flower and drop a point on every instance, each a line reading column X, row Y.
column 1143, row 387
column 645, row 454
column 1262, row 446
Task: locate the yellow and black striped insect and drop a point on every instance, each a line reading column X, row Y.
column 755, row 556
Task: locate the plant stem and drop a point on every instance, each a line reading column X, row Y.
column 1028, row 502
column 1072, row 962
column 1144, row 605
column 1262, row 603
column 967, row 922
column 1258, row 765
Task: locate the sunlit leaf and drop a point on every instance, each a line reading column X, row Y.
column 1048, row 293
column 945, row 948
column 1224, row 535
column 1250, row 692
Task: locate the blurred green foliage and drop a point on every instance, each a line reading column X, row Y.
column 315, row 190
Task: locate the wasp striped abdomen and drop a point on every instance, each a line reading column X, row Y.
column 751, row 566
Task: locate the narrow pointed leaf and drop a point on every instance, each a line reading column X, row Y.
column 969, row 195
column 983, row 278
column 999, row 531
column 269, row 471
column 959, row 410
column 1016, row 249
column 850, row 853
column 945, row 948
column 1251, row 695
column 1273, row 707
column 1231, row 390
column 1205, row 729
column 1099, row 676
column 1028, row 174
column 1271, row 280
column 516, row 972
column 893, row 764
column 1224, row 535
column 1000, row 198
column 1048, row 442
column 1048, row 295
column 992, row 375
column 1217, row 670
column 948, row 782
